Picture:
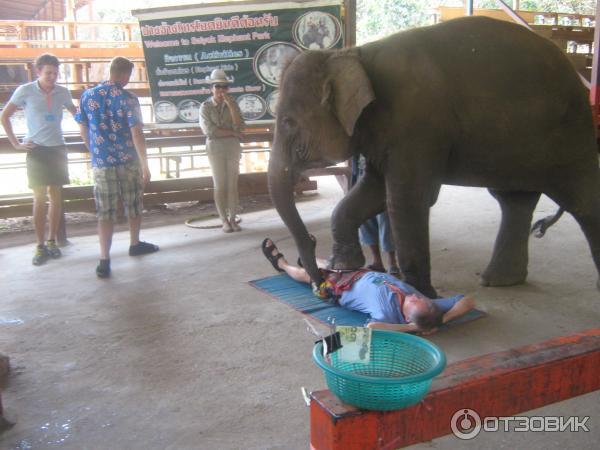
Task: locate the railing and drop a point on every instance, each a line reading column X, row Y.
column 170, row 151
column 193, row 143
column 531, row 17
column 70, row 34
column 84, row 48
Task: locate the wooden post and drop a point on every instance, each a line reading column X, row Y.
column 595, row 81
column 350, row 22
column 61, row 234
column 91, row 19
column 469, row 7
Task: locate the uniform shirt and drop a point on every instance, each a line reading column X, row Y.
column 214, row 115
column 43, row 112
column 371, row 295
column 109, row 112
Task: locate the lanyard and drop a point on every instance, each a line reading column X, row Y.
column 47, row 97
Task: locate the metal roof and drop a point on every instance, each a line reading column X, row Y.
column 29, row 9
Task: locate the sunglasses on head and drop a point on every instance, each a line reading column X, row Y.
column 221, row 86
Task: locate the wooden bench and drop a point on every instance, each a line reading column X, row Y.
column 198, row 189
column 343, row 174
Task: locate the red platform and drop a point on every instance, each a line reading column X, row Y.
column 497, row 384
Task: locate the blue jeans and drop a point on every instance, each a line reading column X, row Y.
column 377, row 230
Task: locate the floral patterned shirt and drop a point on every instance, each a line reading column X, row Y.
column 109, row 111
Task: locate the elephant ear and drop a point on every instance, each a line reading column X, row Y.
column 347, row 89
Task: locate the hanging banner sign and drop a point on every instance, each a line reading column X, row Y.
column 252, row 43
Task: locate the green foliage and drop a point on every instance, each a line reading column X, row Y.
column 489, row 4
column 560, row 6
column 77, row 181
column 566, row 6
column 377, row 19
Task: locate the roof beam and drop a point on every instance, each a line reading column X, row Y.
column 28, row 54
column 25, row 8
column 35, row 4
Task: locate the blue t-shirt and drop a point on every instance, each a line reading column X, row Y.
column 371, row 295
column 109, row 112
column 43, row 112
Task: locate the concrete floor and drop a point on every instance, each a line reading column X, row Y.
column 177, row 351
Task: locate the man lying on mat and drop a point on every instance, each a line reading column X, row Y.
column 391, row 303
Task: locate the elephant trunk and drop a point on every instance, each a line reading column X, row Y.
column 281, row 187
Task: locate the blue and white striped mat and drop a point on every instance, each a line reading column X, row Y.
column 300, row 297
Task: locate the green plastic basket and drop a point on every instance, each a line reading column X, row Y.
column 398, row 374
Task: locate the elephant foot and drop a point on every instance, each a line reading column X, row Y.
column 428, row 291
column 424, row 288
column 346, row 257
column 492, row 277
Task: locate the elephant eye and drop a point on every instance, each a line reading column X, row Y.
column 288, row 123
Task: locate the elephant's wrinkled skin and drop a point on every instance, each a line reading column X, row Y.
column 471, row 102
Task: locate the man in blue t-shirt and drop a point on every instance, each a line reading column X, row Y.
column 43, row 101
column 391, row 303
column 111, row 127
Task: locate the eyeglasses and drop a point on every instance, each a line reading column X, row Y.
column 221, row 86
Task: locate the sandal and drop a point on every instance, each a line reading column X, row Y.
column 268, row 252
column 395, row 271
column 375, row 268
column 142, row 248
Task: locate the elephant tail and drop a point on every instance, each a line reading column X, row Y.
column 539, row 228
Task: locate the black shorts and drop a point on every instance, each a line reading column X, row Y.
column 47, row 166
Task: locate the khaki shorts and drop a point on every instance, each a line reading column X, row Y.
column 112, row 184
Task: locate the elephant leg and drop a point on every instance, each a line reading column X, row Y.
column 508, row 265
column 590, row 224
column 365, row 200
column 408, row 211
column 583, row 202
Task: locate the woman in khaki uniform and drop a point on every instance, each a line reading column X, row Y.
column 221, row 121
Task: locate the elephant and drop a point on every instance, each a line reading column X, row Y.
column 471, row 102
column 315, row 34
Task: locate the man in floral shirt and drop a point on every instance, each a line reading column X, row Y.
column 111, row 127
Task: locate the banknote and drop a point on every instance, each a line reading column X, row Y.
column 356, row 344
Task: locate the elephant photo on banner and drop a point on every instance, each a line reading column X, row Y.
column 469, row 102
